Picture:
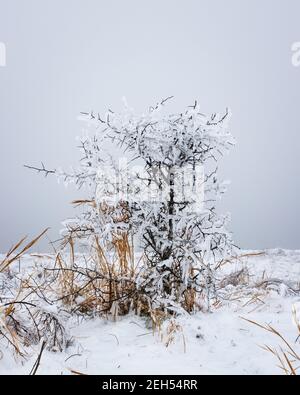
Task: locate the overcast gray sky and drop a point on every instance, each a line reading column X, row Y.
column 67, row 56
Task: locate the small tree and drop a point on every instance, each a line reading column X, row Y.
column 167, row 204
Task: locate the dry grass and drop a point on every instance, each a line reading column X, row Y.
column 103, row 281
column 173, row 330
column 286, row 355
column 18, row 250
column 239, row 258
column 237, row 278
column 22, row 321
column 99, row 282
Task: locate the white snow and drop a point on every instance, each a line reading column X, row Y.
column 217, row 343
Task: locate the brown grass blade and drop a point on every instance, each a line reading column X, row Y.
column 7, row 261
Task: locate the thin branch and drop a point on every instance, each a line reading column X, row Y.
column 41, row 169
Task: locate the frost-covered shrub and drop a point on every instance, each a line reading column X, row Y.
column 161, row 191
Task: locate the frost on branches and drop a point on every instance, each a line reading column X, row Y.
column 161, row 192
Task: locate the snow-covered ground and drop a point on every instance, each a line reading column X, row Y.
column 221, row 342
